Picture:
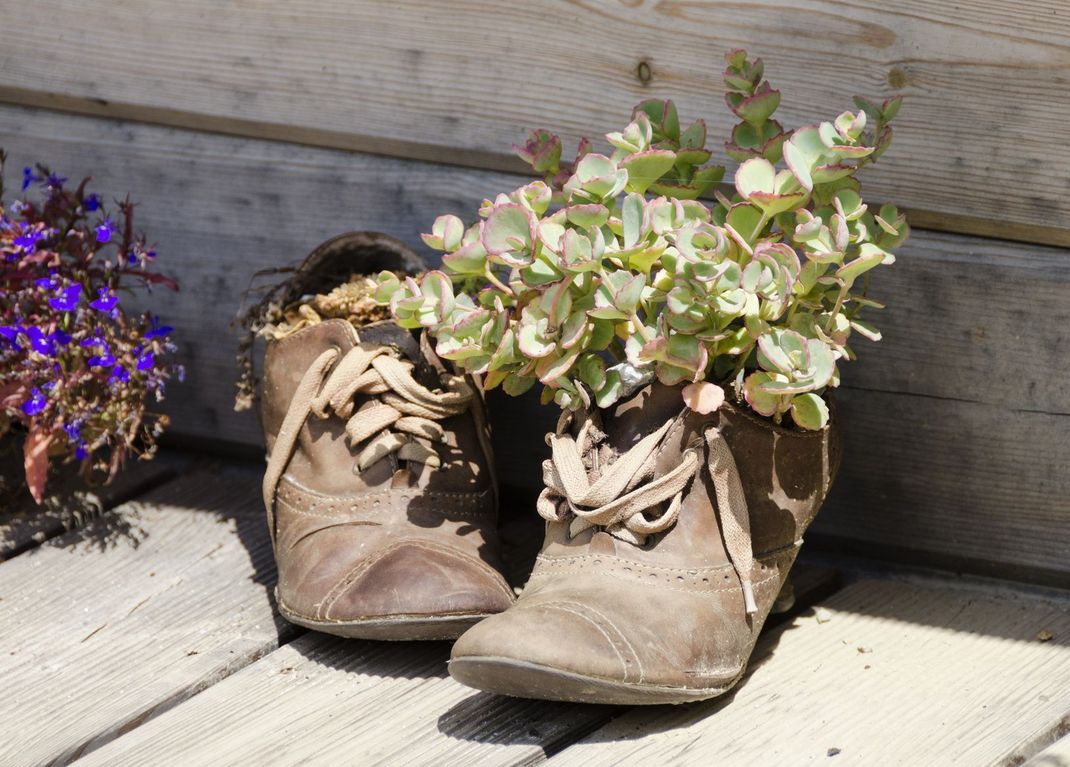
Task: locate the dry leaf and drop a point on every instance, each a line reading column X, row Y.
column 35, row 462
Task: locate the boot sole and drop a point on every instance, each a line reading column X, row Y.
column 393, row 628
column 523, row 679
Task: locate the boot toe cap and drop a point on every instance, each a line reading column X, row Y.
column 417, row 578
column 563, row 635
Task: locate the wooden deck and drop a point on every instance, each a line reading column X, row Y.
column 147, row 635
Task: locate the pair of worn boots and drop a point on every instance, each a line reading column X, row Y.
column 668, row 533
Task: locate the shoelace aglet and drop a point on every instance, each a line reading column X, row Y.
column 748, row 598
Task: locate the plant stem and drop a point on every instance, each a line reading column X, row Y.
column 496, row 282
column 836, row 307
column 643, row 330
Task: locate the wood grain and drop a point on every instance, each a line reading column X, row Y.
column 108, row 626
column 460, row 82
column 365, row 703
column 899, row 674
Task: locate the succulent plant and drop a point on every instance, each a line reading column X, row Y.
column 610, row 271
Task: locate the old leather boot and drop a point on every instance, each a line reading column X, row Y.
column 379, row 488
column 668, row 537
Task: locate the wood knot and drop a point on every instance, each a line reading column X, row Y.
column 644, row 72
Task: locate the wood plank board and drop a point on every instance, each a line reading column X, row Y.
column 71, row 504
column 321, row 700
column 963, row 485
column 955, row 420
column 347, row 702
column 99, row 638
column 461, row 82
column 899, row 674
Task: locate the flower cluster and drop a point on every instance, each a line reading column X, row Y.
column 76, row 371
column 612, row 257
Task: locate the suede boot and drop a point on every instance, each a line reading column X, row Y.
column 379, row 490
column 668, row 537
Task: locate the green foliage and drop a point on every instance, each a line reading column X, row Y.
column 612, row 258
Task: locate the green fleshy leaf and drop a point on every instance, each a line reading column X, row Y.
column 809, row 411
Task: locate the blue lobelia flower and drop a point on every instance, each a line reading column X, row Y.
column 91, row 203
column 157, row 330
column 28, row 240
column 11, row 334
column 119, row 373
column 146, row 361
column 36, row 403
column 28, row 177
column 67, row 300
column 103, row 360
column 105, row 301
column 40, row 341
column 105, row 230
column 54, row 181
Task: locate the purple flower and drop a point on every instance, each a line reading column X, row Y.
column 28, row 177
column 146, row 361
column 104, row 230
column 41, row 342
column 48, row 283
column 59, row 337
column 67, row 301
column 102, row 360
column 106, row 300
column 11, row 334
column 80, row 452
column 74, row 430
column 36, row 403
column 28, row 240
column 119, row 373
column 55, row 182
column 157, row 330
column 91, row 203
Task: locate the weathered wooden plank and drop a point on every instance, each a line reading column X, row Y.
column 461, row 82
column 320, row 700
column 960, row 484
column 106, row 627
column 899, row 674
column 71, row 504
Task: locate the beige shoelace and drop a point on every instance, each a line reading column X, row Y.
column 626, row 489
column 402, row 420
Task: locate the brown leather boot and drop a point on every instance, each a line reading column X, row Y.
column 668, row 537
column 379, row 490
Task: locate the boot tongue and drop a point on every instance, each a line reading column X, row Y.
column 630, row 420
column 389, row 333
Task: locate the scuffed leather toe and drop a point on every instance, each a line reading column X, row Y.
column 416, row 578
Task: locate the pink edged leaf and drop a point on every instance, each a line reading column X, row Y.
column 35, row 462
column 703, row 397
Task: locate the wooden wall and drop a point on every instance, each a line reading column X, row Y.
column 250, row 131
